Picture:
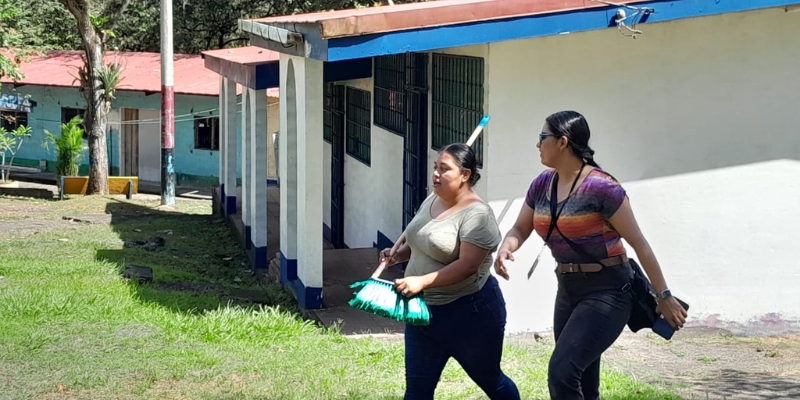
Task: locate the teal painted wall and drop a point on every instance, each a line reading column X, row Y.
column 199, row 167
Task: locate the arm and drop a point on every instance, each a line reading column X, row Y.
column 470, row 258
column 625, row 223
column 515, row 237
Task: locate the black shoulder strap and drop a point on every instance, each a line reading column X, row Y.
column 554, row 215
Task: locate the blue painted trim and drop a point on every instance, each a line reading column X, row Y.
column 258, row 256
column 248, row 237
column 309, row 298
column 272, row 182
column 268, row 76
column 230, row 205
column 384, row 241
column 326, row 232
column 222, row 193
column 347, row 69
column 288, row 269
column 525, row 27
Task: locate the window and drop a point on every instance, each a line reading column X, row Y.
column 206, row 133
column 10, row 120
column 67, row 114
column 332, row 110
column 390, row 81
column 358, row 124
column 457, row 101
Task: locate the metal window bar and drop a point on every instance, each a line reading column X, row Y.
column 357, row 120
column 390, row 98
column 457, row 100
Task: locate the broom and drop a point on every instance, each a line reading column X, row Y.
column 379, row 297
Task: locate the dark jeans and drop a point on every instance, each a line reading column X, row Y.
column 591, row 311
column 470, row 330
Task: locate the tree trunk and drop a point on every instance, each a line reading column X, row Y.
column 97, row 107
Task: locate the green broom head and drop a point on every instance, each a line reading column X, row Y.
column 380, row 298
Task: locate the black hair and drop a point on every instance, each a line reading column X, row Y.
column 574, row 126
column 465, row 158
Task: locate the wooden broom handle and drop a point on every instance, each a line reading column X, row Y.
column 379, row 270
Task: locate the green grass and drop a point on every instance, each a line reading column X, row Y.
column 72, row 327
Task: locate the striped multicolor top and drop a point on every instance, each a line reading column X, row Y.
column 584, row 220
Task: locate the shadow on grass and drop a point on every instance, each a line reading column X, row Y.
column 185, row 262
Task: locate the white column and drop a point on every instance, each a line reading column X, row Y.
column 309, row 183
column 287, row 169
column 230, row 146
column 258, row 175
column 221, row 174
column 245, row 133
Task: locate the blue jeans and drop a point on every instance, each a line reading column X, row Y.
column 591, row 311
column 470, row 330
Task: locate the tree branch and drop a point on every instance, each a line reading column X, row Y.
column 113, row 11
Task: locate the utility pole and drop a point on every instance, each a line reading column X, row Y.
column 167, row 108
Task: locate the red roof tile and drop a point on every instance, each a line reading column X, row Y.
column 142, row 72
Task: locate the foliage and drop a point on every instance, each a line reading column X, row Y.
column 68, row 147
column 10, row 142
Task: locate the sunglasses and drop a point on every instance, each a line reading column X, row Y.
column 543, row 135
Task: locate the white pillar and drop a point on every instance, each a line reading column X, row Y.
column 287, row 169
column 230, row 145
column 246, row 178
column 221, row 174
column 309, row 183
column 257, row 100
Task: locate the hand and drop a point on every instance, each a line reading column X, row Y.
column 672, row 311
column 500, row 263
column 410, row 286
column 388, row 255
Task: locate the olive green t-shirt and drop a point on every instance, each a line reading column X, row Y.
column 435, row 243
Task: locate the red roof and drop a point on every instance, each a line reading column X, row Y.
column 142, row 72
column 365, row 21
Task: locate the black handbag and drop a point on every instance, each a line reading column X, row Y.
column 643, row 314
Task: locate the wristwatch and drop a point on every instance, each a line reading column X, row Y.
column 664, row 294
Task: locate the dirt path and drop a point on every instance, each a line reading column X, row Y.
column 708, row 363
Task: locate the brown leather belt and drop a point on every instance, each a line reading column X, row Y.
column 568, row 268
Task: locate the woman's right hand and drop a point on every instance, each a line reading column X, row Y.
column 500, row 263
column 388, row 255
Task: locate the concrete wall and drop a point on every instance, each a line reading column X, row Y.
column 698, row 118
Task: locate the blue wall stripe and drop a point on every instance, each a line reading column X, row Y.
column 526, row 27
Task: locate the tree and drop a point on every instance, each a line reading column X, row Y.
column 96, row 79
column 10, row 39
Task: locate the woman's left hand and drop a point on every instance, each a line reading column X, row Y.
column 409, row 286
column 672, row 311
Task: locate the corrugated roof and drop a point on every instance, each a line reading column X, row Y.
column 142, row 72
column 370, row 20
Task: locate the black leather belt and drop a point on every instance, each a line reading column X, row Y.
column 597, row 266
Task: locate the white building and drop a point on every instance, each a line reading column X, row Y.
column 698, row 117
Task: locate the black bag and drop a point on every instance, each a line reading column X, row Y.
column 643, row 314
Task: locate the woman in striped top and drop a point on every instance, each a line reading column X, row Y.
column 592, row 215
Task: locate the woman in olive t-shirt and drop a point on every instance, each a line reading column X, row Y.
column 449, row 246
